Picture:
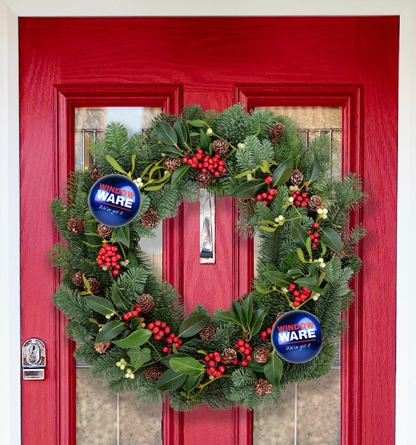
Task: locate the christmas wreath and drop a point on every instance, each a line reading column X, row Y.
column 133, row 329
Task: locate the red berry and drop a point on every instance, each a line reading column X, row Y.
column 264, row 195
column 316, row 225
column 310, row 232
column 259, row 198
column 263, row 334
column 270, row 197
column 180, row 342
column 172, row 336
column 129, row 314
column 221, row 369
column 135, row 313
column 176, row 339
column 211, row 363
column 291, row 287
column 304, row 204
column 316, row 235
column 266, row 203
column 126, row 317
column 169, row 340
column 139, row 309
column 216, row 174
column 165, row 349
column 115, row 272
column 100, row 262
column 185, row 160
column 167, row 329
column 217, row 358
column 207, row 358
column 236, row 346
column 158, row 323
column 242, row 349
column 296, row 303
column 156, row 330
column 244, row 363
column 224, row 170
column 107, row 265
column 216, row 354
column 211, row 369
column 240, row 342
column 235, row 362
column 297, row 203
column 314, row 246
column 247, row 351
column 150, row 326
column 269, row 331
column 176, row 345
column 304, row 195
column 248, row 358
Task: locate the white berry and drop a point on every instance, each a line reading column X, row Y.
column 105, row 268
column 325, row 211
column 324, row 216
column 118, row 364
column 127, row 375
column 285, row 290
column 322, row 265
column 143, row 325
column 209, row 131
column 281, row 217
column 319, row 211
column 315, row 297
column 249, row 177
column 290, row 199
column 132, row 376
column 320, row 260
column 122, row 367
column 211, row 377
column 108, row 317
column 241, row 145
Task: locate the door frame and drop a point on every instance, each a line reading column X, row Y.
column 9, row 124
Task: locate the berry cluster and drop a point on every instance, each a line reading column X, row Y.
column 300, row 294
column 314, row 236
column 266, row 333
column 133, row 314
column 159, row 329
column 204, row 162
column 268, row 196
column 108, row 257
column 245, row 349
column 213, row 360
column 300, row 199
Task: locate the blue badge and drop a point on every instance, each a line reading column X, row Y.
column 114, row 200
column 296, row 337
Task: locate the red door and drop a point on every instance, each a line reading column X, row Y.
column 351, row 63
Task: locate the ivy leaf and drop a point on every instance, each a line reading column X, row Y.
column 186, row 365
column 192, row 381
column 121, row 303
column 122, row 234
column 170, row 380
column 192, row 325
column 273, row 369
column 170, row 150
column 299, row 235
column 228, row 317
column 248, row 189
column 197, row 123
column 115, row 164
column 109, row 331
column 283, row 173
column 314, row 170
column 100, row 305
column 278, row 278
column 257, row 320
column 135, row 339
column 247, row 310
column 166, row 134
column 331, row 239
column 179, row 172
column 181, row 131
column 205, row 139
column 139, row 356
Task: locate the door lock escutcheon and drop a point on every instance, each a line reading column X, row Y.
column 33, row 359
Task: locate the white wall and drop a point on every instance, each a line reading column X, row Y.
column 9, row 168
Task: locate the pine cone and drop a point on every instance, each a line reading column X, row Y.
column 104, row 231
column 221, row 147
column 277, row 132
column 228, row 356
column 96, row 172
column 314, row 203
column 171, row 163
column 76, row 226
column 280, row 314
column 208, row 332
column 296, row 178
column 204, row 179
column 77, row 279
column 95, row 285
column 261, row 354
column 102, row 347
column 154, row 372
column 249, row 201
column 150, row 218
column 262, row 387
column 146, row 302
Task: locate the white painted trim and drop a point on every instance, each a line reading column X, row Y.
column 9, row 165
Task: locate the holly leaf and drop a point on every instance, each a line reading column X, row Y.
column 166, row 360
column 186, row 365
column 331, row 239
column 135, row 339
column 120, row 302
column 192, row 325
column 181, row 131
column 170, row 380
column 191, row 382
column 100, row 305
column 109, row 331
column 314, row 170
column 139, row 356
column 273, row 369
column 179, row 172
column 299, row 235
column 122, row 234
column 166, row 134
column 205, row 139
column 294, row 273
column 257, row 320
column 247, row 310
column 171, row 151
column 248, row 189
column 282, row 173
column 228, row 317
column 278, row 278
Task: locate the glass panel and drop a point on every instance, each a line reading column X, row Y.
column 119, row 418
column 313, row 412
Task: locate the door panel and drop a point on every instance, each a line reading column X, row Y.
column 349, row 62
